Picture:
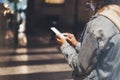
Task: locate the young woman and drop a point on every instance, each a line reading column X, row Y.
column 96, row 56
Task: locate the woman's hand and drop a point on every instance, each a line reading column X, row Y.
column 60, row 39
column 68, row 38
column 71, row 39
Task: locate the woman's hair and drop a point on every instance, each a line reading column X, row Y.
column 101, row 3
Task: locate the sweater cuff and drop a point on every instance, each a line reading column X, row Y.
column 65, row 45
column 77, row 47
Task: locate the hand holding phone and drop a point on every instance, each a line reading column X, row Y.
column 57, row 32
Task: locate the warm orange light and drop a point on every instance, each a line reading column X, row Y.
column 54, row 1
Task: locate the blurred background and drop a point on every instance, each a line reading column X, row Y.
column 28, row 49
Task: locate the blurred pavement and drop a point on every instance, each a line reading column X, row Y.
column 39, row 60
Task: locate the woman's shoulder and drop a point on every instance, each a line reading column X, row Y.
column 102, row 24
column 102, row 29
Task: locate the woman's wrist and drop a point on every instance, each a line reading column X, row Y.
column 75, row 43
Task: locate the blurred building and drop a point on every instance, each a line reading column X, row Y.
column 66, row 13
column 35, row 16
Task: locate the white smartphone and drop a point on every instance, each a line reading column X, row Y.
column 56, row 31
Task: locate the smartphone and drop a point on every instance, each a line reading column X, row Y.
column 56, row 31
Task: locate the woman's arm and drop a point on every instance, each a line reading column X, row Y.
column 81, row 62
